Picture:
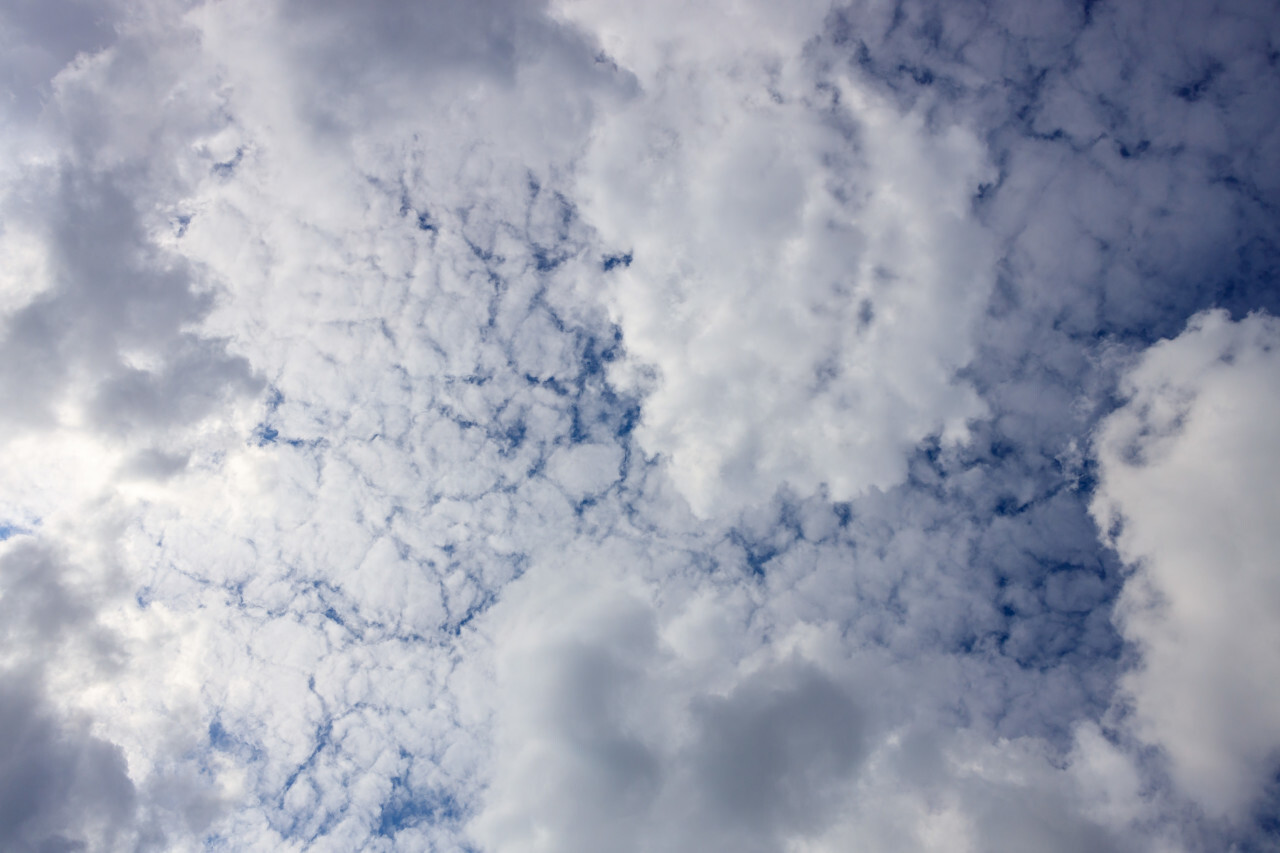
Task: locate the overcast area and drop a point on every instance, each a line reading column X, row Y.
column 590, row 426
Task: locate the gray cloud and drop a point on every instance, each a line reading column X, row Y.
column 634, row 753
column 59, row 783
column 40, row 39
column 769, row 757
column 61, row 787
column 113, row 321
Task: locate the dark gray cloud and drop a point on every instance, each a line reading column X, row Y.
column 61, row 788
column 114, row 322
column 769, row 759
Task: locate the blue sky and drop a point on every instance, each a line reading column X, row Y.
column 683, row 426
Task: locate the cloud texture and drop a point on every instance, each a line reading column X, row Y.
column 582, row 425
column 1189, row 484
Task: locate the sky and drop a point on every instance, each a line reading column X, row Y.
column 565, row 426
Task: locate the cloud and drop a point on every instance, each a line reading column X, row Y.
column 39, row 40
column 782, row 316
column 632, row 716
column 60, row 785
column 590, row 425
column 607, row 737
column 111, row 321
column 1188, row 496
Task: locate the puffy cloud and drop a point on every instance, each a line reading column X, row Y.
column 1189, row 496
column 686, row 716
column 801, row 275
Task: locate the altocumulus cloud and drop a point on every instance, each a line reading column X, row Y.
column 588, row 426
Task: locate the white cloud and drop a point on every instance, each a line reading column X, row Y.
column 1190, row 467
column 802, row 276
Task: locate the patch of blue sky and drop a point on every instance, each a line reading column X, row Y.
column 611, row 262
column 406, row 808
column 9, row 530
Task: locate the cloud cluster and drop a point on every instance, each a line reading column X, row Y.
column 583, row 425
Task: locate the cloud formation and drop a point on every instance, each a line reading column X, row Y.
column 782, row 314
column 1188, row 492
column 582, row 425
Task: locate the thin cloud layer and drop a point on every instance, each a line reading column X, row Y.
column 595, row 426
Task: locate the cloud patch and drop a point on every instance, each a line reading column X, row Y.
column 1189, row 496
column 783, row 317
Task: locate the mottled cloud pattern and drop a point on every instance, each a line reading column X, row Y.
column 595, row 426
